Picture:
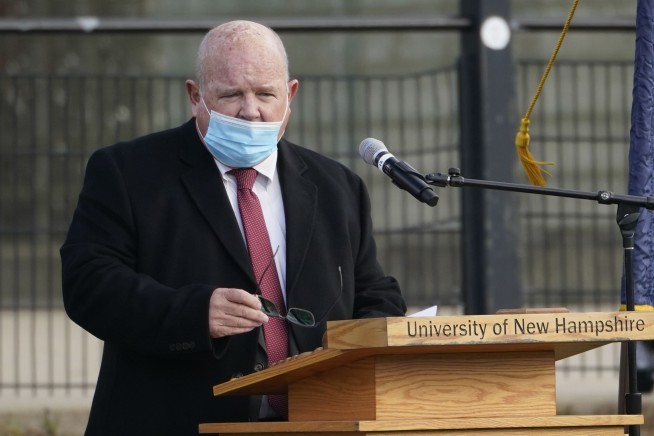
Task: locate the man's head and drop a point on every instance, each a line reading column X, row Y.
column 241, row 71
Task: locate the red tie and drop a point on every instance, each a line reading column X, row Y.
column 256, row 234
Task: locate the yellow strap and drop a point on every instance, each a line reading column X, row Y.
column 638, row 308
column 531, row 165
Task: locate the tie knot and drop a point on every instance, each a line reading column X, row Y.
column 245, row 177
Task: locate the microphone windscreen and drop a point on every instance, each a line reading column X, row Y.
column 369, row 148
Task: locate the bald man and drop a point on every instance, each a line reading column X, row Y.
column 156, row 261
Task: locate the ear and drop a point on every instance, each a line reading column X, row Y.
column 193, row 92
column 293, row 86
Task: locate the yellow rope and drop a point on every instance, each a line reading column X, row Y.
column 531, row 165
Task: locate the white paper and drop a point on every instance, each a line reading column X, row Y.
column 430, row 311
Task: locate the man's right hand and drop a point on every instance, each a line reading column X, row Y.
column 233, row 311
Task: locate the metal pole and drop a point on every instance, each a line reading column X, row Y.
column 491, row 273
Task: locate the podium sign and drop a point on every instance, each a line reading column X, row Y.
column 581, row 329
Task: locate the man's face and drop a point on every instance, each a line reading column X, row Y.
column 244, row 82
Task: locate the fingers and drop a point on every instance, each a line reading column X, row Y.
column 234, row 311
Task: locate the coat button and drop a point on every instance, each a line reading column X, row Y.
column 237, row 375
column 258, row 367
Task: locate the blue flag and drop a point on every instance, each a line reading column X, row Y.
column 641, row 155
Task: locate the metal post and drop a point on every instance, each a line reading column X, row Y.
column 491, row 273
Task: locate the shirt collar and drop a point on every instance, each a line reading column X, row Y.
column 266, row 168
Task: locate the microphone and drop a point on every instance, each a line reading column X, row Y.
column 403, row 175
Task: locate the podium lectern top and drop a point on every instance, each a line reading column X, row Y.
column 563, row 334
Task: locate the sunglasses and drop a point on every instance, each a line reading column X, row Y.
column 301, row 317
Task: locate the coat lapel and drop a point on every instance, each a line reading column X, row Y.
column 300, row 202
column 204, row 184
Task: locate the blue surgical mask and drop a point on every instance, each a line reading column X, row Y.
column 240, row 143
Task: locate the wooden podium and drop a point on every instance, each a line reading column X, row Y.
column 445, row 375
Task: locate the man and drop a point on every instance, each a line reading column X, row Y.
column 160, row 260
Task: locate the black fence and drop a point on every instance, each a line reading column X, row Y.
column 571, row 249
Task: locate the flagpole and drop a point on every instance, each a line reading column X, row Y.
column 627, row 219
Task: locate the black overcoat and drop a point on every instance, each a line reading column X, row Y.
column 154, row 234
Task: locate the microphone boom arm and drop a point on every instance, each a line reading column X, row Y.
column 454, row 178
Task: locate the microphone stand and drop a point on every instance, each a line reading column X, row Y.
column 627, row 219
